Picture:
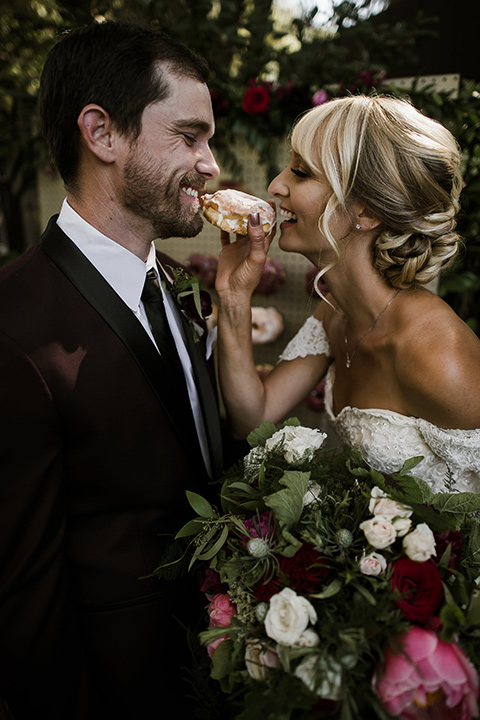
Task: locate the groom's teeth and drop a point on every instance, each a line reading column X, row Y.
column 190, row 191
column 287, row 214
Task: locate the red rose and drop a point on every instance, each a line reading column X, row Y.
column 306, row 572
column 212, row 585
column 256, row 100
column 205, row 304
column 453, row 538
column 421, row 588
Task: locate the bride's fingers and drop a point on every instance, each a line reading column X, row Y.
column 224, row 237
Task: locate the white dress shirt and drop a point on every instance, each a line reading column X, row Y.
column 126, row 273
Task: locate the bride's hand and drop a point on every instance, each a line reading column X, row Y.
column 241, row 262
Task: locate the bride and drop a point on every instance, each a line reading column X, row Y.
column 370, row 197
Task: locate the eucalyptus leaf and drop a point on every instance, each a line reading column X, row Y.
column 473, row 610
column 213, row 550
column 192, row 527
column 201, row 506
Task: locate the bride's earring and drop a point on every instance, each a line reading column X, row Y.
column 358, row 226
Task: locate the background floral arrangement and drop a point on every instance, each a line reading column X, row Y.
column 335, row 591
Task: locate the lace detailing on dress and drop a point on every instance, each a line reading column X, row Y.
column 311, row 339
column 386, row 439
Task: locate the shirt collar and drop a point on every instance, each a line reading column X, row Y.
column 123, row 270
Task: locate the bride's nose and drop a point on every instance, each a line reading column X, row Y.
column 278, row 186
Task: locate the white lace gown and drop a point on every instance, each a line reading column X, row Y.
column 386, row 438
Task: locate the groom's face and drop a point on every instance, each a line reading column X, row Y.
column 169, row 164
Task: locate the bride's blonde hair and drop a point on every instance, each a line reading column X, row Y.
column 401, row 165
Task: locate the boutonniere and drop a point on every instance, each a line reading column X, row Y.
column 195, row 302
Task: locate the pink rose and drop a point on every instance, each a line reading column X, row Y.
column 221, row 610
column 431, row 678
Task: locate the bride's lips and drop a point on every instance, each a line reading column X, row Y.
column 289, row 217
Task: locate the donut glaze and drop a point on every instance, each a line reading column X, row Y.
column 229, row 210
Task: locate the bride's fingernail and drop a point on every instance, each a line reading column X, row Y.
column 255, row 219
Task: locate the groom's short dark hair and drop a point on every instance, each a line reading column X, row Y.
column 116, row 65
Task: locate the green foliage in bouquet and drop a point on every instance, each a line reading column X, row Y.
column 320, row 572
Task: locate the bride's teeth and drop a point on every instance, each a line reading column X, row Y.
column 287, row 214
column 190, row 191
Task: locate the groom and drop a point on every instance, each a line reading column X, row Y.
column 107, row 414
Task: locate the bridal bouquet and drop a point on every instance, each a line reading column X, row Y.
column 334, row 591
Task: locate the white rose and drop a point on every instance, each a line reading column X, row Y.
column 380, row 504
column 297, row 442
column 379, row 532
column 419, row 545
column 372, row 564
column 325, row 681
column 402, row 525
column 288, row 616
column 258, row 659
column 308, row 638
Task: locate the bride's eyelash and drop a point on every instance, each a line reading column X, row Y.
column 299, row 173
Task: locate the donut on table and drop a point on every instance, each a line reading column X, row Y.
column 267, row 325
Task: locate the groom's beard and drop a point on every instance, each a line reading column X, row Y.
column 150, row 194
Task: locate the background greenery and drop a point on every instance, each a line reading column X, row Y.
column 285, row 60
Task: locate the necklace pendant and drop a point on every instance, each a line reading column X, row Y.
column 348, row 361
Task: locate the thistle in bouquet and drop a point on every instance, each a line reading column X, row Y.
column 335, row 591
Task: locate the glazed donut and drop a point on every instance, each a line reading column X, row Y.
column 229, row 210
column 267, row 325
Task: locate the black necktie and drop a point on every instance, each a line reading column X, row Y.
column 152, row 299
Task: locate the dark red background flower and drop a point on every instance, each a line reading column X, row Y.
column 306, row 572
column 256, row 100
column 205, row 303
column 421, row 588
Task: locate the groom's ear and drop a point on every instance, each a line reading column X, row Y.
column 97, row 132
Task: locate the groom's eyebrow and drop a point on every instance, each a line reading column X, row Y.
column 193, row 122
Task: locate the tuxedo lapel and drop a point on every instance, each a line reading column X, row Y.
column 206, row 393
column 101, row 296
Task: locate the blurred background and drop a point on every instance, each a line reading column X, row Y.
column 270, row 60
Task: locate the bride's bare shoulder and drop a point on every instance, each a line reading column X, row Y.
column 438, row 363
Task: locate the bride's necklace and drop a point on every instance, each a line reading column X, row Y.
column 349, row 358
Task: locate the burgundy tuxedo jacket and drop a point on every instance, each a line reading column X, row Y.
column 94, row 464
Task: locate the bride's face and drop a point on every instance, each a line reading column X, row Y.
column 303, row 198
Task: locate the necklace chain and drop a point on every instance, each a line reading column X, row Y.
column 349, row 358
